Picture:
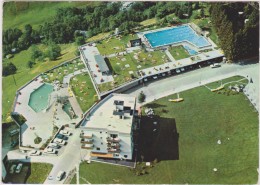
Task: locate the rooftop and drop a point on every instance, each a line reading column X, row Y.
column 106, row 115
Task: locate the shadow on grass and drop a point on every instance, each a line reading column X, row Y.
column 155, row 105
column 158, row 141
column 18, row 178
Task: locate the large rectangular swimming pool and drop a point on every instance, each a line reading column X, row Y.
column 176, row 35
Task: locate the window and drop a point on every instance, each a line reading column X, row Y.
column 113, row 135
column 100, row 132
column 101, row 143
column 117, row 155
column 125, row 156
column 101, row 137
column 98, row 148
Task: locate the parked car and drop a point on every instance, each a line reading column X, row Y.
column 11, row 171
column 19, row 168
column 178, row 71
column 60, row 175
column 215, row 65
column 59, row 141
column 54, row 145
column 155, row 77
column 182, row 69
column 34, row 152
column 65, row 132
column 13, row 132
column 60, row 136
column 50, row 151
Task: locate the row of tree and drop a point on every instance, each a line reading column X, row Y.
column 237, row 25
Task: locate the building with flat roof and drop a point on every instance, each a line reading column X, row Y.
column 108, row 128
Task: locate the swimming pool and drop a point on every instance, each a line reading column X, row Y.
column 40, row 97
column 176, row 35
column 191, row 51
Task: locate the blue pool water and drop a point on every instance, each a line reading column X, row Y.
column 39, row 98
column 191, row 51
column 176, row 35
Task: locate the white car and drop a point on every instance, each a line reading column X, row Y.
column 11, row 171
column 178, row 71
column 65, row 132
column 34, row 152
column 215, row 65
column 19, row 168
column 53, row 145
column 182, row 69
column 60, row 175
column 59, row 141
column 50, row 151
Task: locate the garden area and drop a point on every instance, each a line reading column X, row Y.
column 125, row 67
column 114, row 44
column 60, row 72
column 179, row 52
column 84, row 91
column 202, row 120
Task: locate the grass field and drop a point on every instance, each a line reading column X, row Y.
column 118, row 64
column 148, row 22
column 23, row 75
column 39, row 172
column 114, row 44
column 18, row 14
column 201, row 120
column 60, row 72
column 178, row 52
column 84, row 91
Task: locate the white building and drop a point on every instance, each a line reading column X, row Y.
column 108, row 128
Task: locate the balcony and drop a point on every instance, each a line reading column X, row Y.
column 113, row 145
column 87, row 146
column 85, row 135
column 86, row 141
column 113, row 150
column 113, row 140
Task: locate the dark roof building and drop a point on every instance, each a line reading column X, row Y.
column 101, row 64
column 135, row 42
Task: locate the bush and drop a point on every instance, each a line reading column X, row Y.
column 9, row 69
column 37, row 140
column 141, row 97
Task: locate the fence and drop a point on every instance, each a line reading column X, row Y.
column 70, row 176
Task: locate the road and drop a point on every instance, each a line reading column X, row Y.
column 72, row 154
column 173, row 84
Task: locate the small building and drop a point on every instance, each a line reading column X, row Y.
column 101, row 64
column 134, row 43
column 108, row 129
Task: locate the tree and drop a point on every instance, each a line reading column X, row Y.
column 202, row 14
column 141, row 97
column 30, row 64
column 54, row 51
column 36, row 53
column 9, row 69
column 80, row 40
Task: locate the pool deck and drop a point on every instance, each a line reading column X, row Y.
column 41, row 123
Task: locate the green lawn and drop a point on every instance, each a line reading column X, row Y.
column 179, row 52
column 73, row 180
column 201, row 120
column 114, row 44
column 39, row 173
column 18, row 14
column 148, row 22
column 23, row 75
column 145, row 60
column 60, row 72
column 84, row 91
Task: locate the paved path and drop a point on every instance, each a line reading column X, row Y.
column 169, row 55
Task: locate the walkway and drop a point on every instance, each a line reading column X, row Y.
column 169, row 55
